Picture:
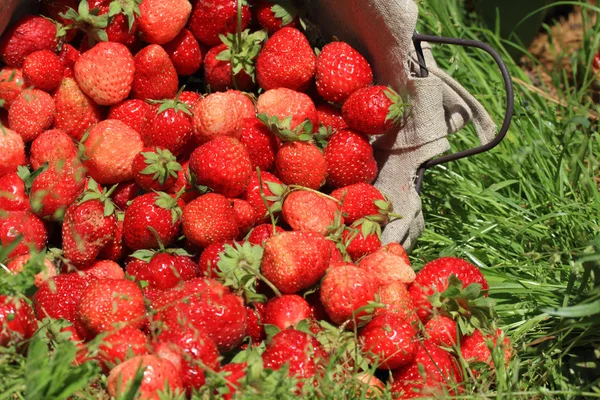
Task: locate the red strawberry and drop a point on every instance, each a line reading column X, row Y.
column 75, row 112
column 254, row 327
column 362, row 238
column 115, row 249
column 373, row 110
column 344, row 290
column 183, row 182
column 17, row 321
column 217, row 115
column 210, row 257
column 189, row 98
column 213, row 18
column 441, row 331
column 218, row 73
column 389, row 341
column 155, row 76
column 341, row 70
column 331, row 117
column 110, row 148
column 29, row 34
column 185, row 53
column 156, row 210
column 387, row 266
column 17, row 264
column 209, row 219
column 349, row 159
column 283, row 103
column 286, row 61
column 159, row 374
column 105, row 73
column 168, row 124
column 160, row 21
column 270, row 185
column 53, row 147
column 165, row 270
column 272, row 16
column 121, row 345
column 395, row 297
column 12, row 151
column 305, row 210
column 475, row 348
column 68, row 56
column 11, row 84
column 245, row 215
column 301, row 163
column 294, row 261
column 105, row 269
column 362, row 200
column 12, row 193
column 15, row 223
column 31, row 113
column 260, row 143
column 235, row 373
column 397, row 249
column 286, row 311
column 132, row 112
column 56, row 188
column 124, row 193
column 155, row 169
column 223, row 164
column 43, row 70
column 434, row 277
column 262, row 233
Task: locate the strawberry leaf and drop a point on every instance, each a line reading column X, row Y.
column 285, row 11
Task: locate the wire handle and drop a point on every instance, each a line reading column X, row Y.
column 508, row 86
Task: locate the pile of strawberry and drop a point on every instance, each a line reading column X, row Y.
column 201, row 235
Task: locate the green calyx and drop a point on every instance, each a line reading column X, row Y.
column 397, row 108
column 385, row 214
column 175, row 104
column 242, row 50
column 165, row 201
column 363, row 226
column 129, row 8
column 162, row 165
column 282, row 128
column 28, row 177
column 147, row 254
column 93, row 193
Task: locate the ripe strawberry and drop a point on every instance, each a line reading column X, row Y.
column 286, row 311
column 111, row 303
column 12, row 151
column 159, row 374
column 389, row 341
column 283, row 103
column 166, row 269
column 217, row 115
column 105, row 269
column 305, row 210
column 235, row 373
column 124, row 194
column 272, row 16
column 373, row 110
column 331, row 117
column 75, row 112
column 15, row 223
column 43, row 70
column 17, row 264
column 160, row 21
column 272, row 188
column 213, row 18
column 255, row 329
column 301, row 163
column 12, row 193
column 286, row 61
column 120, row 345
column 185, row 53
column 183, row 183
column 189, row 98
column 105, row 73
column 168, row 124
column 387, row 266
column 210, row 257
column 260, row 143
column 209, row 219
column 151, row 218
column 131, row 112
column 362, row 200
column 53, row 146
column 245, row 215
column 349, row 159
column 397, row 300
column 56, row 188
column 434, row 277
column 115, row 249
column 441, row 331
column 11, row 84
column 68, row 56
column 17, row 321
column 223, row 164
column 362, row 238
column 341, row 70
column 155, row 76
column 29, row 34
column 155, row 169
column 344, row 290
column 475, row 348
column 245, row 103
column 294, row 261
column 262, row 233
column 110, row 148
column 31, row 113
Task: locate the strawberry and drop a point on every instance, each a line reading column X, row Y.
column 341, row 70
column 68, row 56
column 75, row 112
column 294, row 261
column 115, row 249
column 441, row 331
column 120, row 345
column 272, row 189
column 434, row 277
column 161, row 21
column 210, row 257
column 223, row 164
column 255, row 329
column 363, row 237
column 124, row 194
column 349, row 159
column 286, row 311
column 305, row 210
column 209, row 219
column 394, row 296
column 11, row 84
column 43, row 70
column 272, row 16
column 155, row 76
column 283, row 103
column 286, row 61
column 262, row 233
column 217, row 115
column 362, row 200
column 17, row 264
column 191, row 351
column 245, row 215
column 331, row 117
column 104, row 142
column 88, row 226
column 389, row 341
column 373, row 110
column 155, row 169
column 478, row 347
column 152, row 219
column 29, row 34
column 56, row 188
column 17, row 321
column 165, row 269
column 236, row 372
column 168, row 124
column 213, row 18
column 245, row 103
column 12, row 151
column 344, row 290
column 159, row 374
column 31, row 113
column 105, row 73
column 387, row 266
column 53, row 146
column 12, row 193
column 397, row 249
column 15, row 223
column 301, row 163
column 183, row 183
column 260, row 143
column 131, row 112
column 189, row 98
column 185, row 53
column 105, row 269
